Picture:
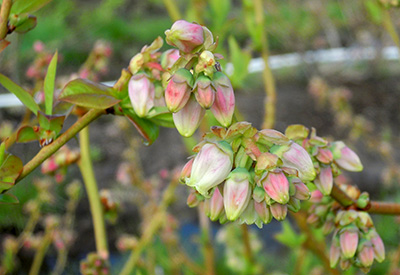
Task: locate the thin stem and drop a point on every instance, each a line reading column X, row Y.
column 41, row 252
column 172, row 9
column 208, row 249
column 247, row 247
column 268, row 78
column 86, row 168
column 374, row 207
column 386, row 208
column 154, row 225
column 4, row 13
column 389, row 26
column 49, row 150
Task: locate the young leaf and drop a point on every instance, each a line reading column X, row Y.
column 19, row 92
column 28, row 6
column 2, row 152
column 289, row 237
column 49, row 84
column 86, row 93
column 240, row 60
column 26, row 134
column 8, row 199
column 146, row 128
column 9, row 172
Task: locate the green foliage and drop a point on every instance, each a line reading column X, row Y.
column 147, row 129
column 240, row 60
column 289, row 237
column 28, row 6
column 19, row 92
column 10, row 170
column 86, row 93
column 49, row 82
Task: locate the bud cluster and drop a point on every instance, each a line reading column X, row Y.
column 94, row 264
column 355, row 240
column 248, row 175
column 328, row 157
column 184, row 80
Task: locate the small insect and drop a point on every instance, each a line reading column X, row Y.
column 217, row 66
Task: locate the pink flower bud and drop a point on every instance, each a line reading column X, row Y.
column 204, row 92
column 316, row 196
column 168, row 58
column 193, row 199
column 279, row 211
column 366, row 255
column 185, row 36
column 324, row 181
column 211, row 166
column 348, row 243
column 178, row 90
column 346, row 158
column 188, row 119
column 237, row 193
column 186, row 170
column 334, row 255
column 297, row 157
column 302, row 191
column 277, row 187
column 378, row 247
column 216, row 205
column 224, row 103
column 141, row 94
column 263, row 212
column 324, row 156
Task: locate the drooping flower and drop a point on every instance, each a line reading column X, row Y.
column 178, row 90
column 224, row 103
column 277, row 186
column 204, row 92
column 345, row 157
column 188, row 119
column 298, row 158
column 141, row 94
column 211, row 166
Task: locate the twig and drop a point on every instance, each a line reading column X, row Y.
column 4, row 13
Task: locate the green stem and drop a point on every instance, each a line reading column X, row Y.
column 247, row 246
column 49, row 150
column 172, row 9
column 41, row 252
column 208, row 249
column 154, row 225
column 389, row 26
column 268, row 78
column 86, row 168
column 4, row 13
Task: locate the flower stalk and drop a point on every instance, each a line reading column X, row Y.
column 4, row 13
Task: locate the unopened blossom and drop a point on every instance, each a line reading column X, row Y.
column 263, row 211
column 349, row 243
column 211, row 166
column 204, row 92
column 141, row 94
column 188, row 119
column 346, row 158
column 185, row 36
column 216, row 205
column 324, row 180
column 302, row 191
column 178, row 90
column 279, row 211
column 168, row 58
column 237, row 193
column 298, row 158
column 224, row 103
column 277, row 187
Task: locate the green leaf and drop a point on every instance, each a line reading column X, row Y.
column 2, row 152
column 49, row 81
column 147, row 129
column 220, row 10
column 240, row 60
column 28, row 6
column 289, row 237
column 26, row 134
column 8, row 199
column 88, row 94
column 161, row 116
column 19, row 92
column 9, row 172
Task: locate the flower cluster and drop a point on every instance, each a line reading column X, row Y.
column 95, row 264
column 355, row 240
column 328, row 157
column 248, row 175
column 184, row 81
